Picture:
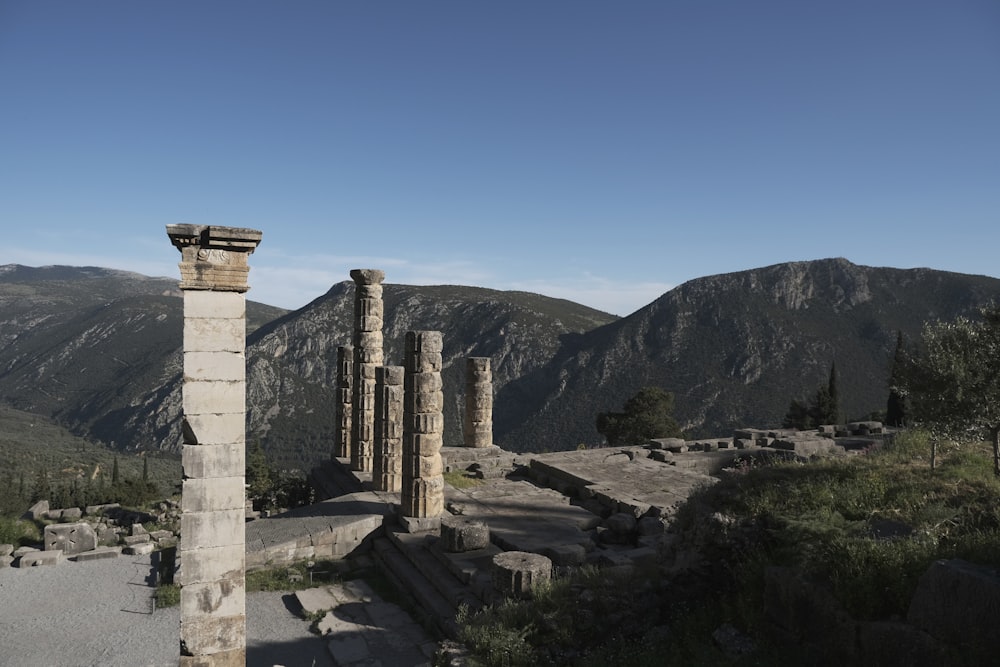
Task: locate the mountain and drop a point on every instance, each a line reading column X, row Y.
column 99, row 351
column 80, row 344
column 736, row 348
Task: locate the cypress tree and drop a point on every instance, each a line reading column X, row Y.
column 834, row 394
column 114, row 472
column 897, row 407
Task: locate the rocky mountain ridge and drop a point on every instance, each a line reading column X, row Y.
column 99, row 351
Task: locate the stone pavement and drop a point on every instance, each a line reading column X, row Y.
column 362, row 629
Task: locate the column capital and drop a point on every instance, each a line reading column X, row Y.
column 368, row 276
column 213, row 257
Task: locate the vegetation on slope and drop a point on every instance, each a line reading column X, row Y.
column 866, row 527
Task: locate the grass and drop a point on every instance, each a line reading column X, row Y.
column 867, row 527
column 459, row 480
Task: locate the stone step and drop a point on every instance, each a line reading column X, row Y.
column 415, row 586
column 418, row 550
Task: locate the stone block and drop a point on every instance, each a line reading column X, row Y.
column 70, row 538
column 37, row 511
column 214, row 335
column 424, row 422
column 214, row 461
column 216, row 598
column 140, row 549
column 212, row 494
column 218, row 529
column 6, row 549
column 207, row 304
column 40, row 558
column 100, row 553
column 620, row 523
column 516, row 573
column 566, row 554
column 211, row 635
column 225, row 366
column 422, row 466
column 459, row 534
column 425, row 401
column 957, row 602
column 422, row 382
column 424, row 341
column 6, row 561
column 214, row 397
column 425, row 444
column 132, row 540
column 71, row 514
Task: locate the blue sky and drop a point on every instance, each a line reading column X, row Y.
column 602, row 152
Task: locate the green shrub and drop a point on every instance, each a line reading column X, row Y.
column 167, row 595
column 18, row 532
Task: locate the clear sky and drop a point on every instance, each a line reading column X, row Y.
column 602, row 152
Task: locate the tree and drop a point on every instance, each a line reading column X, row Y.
column 114, row 472
column 897, row 407
column 260, row 477
column 953, row 380
column 647, row 415
column 823, row 409
column 798, row 416
column 834, row 394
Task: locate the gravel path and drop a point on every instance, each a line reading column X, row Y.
column 98, row 613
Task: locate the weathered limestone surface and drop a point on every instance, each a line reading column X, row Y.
column 477, row 430
column 422, row 492
column 515, row 573
column 459, row 534
column 344, row 402
column 70, row 538
column 212, row 549
column 368, row 355
column 388, row 464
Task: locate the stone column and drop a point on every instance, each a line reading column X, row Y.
column 212, row 547
column 367, row 356
column 477, row 431
column 344, row 402
column 422, row 493
column 387, row 469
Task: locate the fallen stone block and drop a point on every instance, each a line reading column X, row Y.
column 460, row 534
column 516, row 573
column 140, row 549
column 40, row 558
column 37, row 511
column 70, row 538
column 136, row 539
column 99, row 553
column 5, row 561
column 957, row 602
column 6, row 549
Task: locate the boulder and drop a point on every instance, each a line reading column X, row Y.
column 958, row 603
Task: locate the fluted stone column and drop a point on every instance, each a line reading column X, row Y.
column 367, row 357
column 388, row 464
column 344, row 402
column 422, row 493
column 212, row 546
column 477, row 431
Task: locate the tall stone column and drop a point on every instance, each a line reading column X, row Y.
column 477, row 430
column 367, row 357
column 212, row 547
column 422, row 492
column 344, row 402
column 388, row 464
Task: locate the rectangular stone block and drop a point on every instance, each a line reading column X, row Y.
column 210, row 461
column 423, row 362
column 216, row 598
column 70, row 538
column 204, row 564
column 478, row 416
column 212, row 494
column 208, row 397
column 423, row 401
column 373, row 356
column 422, row 466
column 211, row 304
column 424, row 341
column 213, row 529
column 429, row 422
column 424, row 444
column 214, row 335
column 226, row 366
column 214, row 429
column 206, row 635
column 422, row 382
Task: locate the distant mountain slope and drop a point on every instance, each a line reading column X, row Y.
column 81, row 344
column 736, row 348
